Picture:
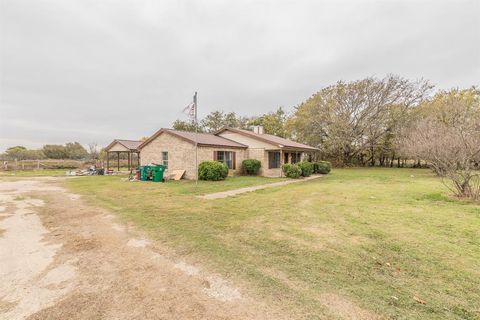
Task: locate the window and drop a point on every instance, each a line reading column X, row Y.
column 165, row 158
column 227, row 157
column 296, row 157
column 274, row 160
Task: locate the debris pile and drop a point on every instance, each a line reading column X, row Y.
column 91, row 171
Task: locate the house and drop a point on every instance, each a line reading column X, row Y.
column 176, row 150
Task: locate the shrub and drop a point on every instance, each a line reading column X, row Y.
column 251, row 166
column 291, row 170
column 307, row 168
column 212, row 170
column 322, row 167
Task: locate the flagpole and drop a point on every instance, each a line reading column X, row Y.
column 196, row 140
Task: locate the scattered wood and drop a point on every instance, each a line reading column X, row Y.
column 176, row 174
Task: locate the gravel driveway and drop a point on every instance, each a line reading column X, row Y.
column 62, row 258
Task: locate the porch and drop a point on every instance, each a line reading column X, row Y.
column 275, row 159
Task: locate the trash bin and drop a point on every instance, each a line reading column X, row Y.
column 144, row 172
column 157, row 173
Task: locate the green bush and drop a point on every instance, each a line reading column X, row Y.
column 291, row 170
column 322, row 167
column 251, row 166
column 307, row 168
column 212, row 170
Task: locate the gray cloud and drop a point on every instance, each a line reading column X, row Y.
column 97, row 70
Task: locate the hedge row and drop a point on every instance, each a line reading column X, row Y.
column 323, row 167
column 305, row 168
column 215, row 171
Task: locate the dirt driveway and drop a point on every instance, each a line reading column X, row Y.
column 61, row 258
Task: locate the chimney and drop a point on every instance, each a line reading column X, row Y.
column 258, row 129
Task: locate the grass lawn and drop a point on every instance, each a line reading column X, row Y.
column 34, row 173
column 357, row 240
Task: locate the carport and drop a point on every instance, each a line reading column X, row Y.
column 119, row 146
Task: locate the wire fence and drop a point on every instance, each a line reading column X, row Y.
column 24, row 165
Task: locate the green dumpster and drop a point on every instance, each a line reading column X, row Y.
column 157, row 173
column 144, row 173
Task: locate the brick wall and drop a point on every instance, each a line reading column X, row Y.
column 181, row 154
column 262, row 155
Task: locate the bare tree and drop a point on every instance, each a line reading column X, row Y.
column 447, row 135
column 93, row 151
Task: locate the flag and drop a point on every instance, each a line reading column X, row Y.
column 190, row 111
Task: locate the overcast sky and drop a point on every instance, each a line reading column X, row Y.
column 92, row 71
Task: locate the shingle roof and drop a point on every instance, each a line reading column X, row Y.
column 132, row 145
column 269, row 138
column 203, row 139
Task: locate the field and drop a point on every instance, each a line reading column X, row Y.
column 379, row 243
column 34, row 173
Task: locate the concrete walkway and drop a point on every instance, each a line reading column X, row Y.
column 229, row 193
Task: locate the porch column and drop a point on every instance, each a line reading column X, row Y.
column 108, row 160
column 118, row 160
column 282, row 160
column 129, row 159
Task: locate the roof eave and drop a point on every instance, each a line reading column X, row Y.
column 150, row 139
column 221, row 146
column 156, row 134
column 111, row 144
column 254, row 136
column 119, row 141
column 300, row 148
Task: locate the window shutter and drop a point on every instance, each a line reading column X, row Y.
column 234, row 160
column 215, row 156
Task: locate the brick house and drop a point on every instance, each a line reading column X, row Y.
column 176, row 150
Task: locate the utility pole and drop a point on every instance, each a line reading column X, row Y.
column 196, row 139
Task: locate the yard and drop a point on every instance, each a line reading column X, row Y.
column 378, row 242
column 34, row 173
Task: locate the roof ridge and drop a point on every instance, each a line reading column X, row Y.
column 269, row 138
column 231, row 140
column 174, row 130
column 205, row 138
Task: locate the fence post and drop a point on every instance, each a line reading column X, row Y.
column 38, row 164
column 23, row 164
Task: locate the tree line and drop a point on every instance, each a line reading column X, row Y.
column 273, row 122
column 71, row 150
